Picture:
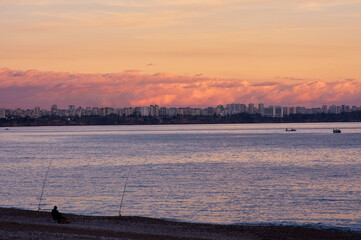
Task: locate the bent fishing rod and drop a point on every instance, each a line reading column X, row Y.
column 42, row 190
column 125, row 186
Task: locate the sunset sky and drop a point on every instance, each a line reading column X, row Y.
column 179, row 53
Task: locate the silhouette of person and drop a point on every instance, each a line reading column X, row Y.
column 57, row 216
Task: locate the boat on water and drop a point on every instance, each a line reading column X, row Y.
column 290, row 130
column 6, row 129
column 335, row 130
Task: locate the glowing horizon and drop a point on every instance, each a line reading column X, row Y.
column 276, row 52
column 27, row 89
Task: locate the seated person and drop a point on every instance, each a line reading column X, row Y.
column 57, row 216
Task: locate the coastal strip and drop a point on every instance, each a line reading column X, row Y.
column 27, row 224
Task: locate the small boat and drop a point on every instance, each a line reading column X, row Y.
column 290, row 130
column 6, row 129
column 335, row 130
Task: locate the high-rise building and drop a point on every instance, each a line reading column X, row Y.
column 95, row 111
column 332, row 109
column 88, row 111
column 2, row 113
column 128, row 111
column 233, row 108
column 18, row 112
column 242, row 108
column 251, row 109
column 37, row 112
column 79, row 112
column 118, row 111
column 220, row 110
column 278, row 112
column 142, row 111
column 270, row 111
column 154, row 110
column 324, row 108
column 172, row 112
column 163, row 111
column 71, row 110
column 261, row 108
column 54, row 109
column 195, row 111
column 338, row 109
column 286, row 111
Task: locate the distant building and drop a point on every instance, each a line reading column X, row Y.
column 332, row 109
column 44, row 112
column 292, row 110
column 316, row 110
column 195, row 111
column 118, row 111
column 324, row 108
column 243, row 108
column 338, row 109
column 261, row 108
column 142, row 111
column 88, row 111
column 54, row 109
column 128, row 112
column 79, row 112
column 354, row 109
column 278, row 112
column 163, row 111
column 154, row 110
column 209, row 111
column 95, row 111
column 270, row 111
column 172, row 112
column 37, row 112
column 2, row 113
column 234, row 108
column 71, row 108
column 300, row 110
column 251, row 109
column 286, row 111
column 18, row 112
column 220, row 110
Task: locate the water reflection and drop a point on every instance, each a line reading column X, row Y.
column 203, row 173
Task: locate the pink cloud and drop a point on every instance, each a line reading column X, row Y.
column 27, row 89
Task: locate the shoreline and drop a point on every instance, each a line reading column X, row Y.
column 27, row 224
column 179, row 119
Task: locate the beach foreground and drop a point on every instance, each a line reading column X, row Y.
column 26, row 224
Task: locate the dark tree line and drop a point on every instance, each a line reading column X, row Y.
column 215, row 119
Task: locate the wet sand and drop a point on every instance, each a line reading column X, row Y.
column 25, row 224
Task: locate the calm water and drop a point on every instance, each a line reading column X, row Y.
column 249, row 173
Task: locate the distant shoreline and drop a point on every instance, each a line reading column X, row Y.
column 136, row 120
column 27, row 224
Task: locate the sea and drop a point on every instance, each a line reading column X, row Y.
column 222, row 173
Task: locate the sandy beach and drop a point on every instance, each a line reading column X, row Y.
column 25, row 224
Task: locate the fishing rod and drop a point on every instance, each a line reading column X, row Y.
column 42, row 190
column 125, row 186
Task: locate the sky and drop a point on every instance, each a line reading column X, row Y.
column 123, row 53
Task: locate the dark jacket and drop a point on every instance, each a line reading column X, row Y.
column 57, row 215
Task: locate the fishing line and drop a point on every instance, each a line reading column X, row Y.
column 42, row 190
column 125, row 186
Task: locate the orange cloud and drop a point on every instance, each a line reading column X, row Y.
column 27, row 89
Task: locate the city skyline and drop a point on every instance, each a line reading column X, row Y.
column 161, row 111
